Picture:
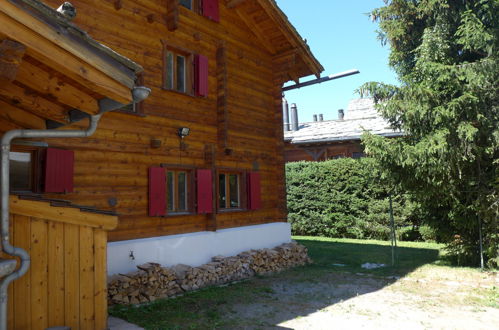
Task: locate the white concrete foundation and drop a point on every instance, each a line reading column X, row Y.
column 194, row 249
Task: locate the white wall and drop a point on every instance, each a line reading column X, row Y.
column 194, row 249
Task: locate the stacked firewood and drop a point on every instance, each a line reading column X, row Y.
column 148, row 283
column 151, row 281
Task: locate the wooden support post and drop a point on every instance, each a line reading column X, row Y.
column 118, row 4
column 172, row 14
column 11, row 54
column 222, row 110
column 210, row 162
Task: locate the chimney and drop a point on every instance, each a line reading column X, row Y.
column 315, row 117
column 321, row 117
column 285, row 114
column 341, row 114
column 294, row 117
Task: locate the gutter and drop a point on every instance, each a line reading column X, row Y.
column 105, row 105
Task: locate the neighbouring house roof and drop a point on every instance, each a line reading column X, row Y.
column 360, row 116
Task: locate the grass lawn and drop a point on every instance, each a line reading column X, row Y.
column 337, row 262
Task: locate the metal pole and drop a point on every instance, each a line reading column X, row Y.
column 294, row 117
column 285, row 115
column 392, row 223
column 481, row 240
column 321, row 80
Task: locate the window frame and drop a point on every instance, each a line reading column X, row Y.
column 37, row 160
column 358, row 154
column 242, row 193
column 195, row 6
column 188, row 69
column 190, row 190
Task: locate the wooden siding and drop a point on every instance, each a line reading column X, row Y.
column 318, row 151
column 112, row 165
column 66, row 282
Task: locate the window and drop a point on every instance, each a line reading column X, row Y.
column 189, row 4
column 177, row 183
column 357, row 155
column 172, row 191
column 177, row 72
column 229, row 192
column 184, row 72
column 36, row 169
column 207, row 8
column 21, row 171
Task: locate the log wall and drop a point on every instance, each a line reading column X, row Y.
column 66, row 284
column 294, row 153
column 112, row 165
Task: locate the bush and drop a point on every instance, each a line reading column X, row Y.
column 343, row 198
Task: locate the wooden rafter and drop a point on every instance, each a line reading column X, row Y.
column 315, row 153
column 65, row 55
column 234, row 3
column 291, row 35
column 11, row 55
column 257, row 31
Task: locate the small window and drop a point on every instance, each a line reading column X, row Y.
column 21, row 171
column 189, row 4
column 40, row 169
column 178, row 191
column 229, row 190
column 357, row 155
column 177, row 70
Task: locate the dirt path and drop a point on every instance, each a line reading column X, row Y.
column 429, row 298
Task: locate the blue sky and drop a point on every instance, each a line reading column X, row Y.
column 342, row 37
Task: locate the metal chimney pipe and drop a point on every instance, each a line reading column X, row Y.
column 321, row 117
column 294, row 117
column 285, row 114
column 341, row 114
column 315, row 117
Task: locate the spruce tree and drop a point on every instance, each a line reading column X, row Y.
column 445, row 53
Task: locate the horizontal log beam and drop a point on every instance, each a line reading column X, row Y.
column 74, row 216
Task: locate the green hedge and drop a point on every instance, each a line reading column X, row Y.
column 345, row 198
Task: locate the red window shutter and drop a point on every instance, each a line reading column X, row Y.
column 210, row 10
column 157, row 191
column 201, row 75
column 204, row 191
column 254, row 194
column 59, row 170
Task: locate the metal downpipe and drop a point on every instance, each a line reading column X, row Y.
column 4, row 181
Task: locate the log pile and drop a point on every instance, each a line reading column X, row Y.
column 151, row 281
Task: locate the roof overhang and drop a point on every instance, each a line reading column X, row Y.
column 49, row 38
column 291, row 53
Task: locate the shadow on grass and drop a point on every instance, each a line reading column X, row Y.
column 264, row 302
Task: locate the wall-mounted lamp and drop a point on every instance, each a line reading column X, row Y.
column 183, row 132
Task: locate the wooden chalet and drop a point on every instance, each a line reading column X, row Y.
column 330, row 139
column 195, row 170
column 54, row 81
